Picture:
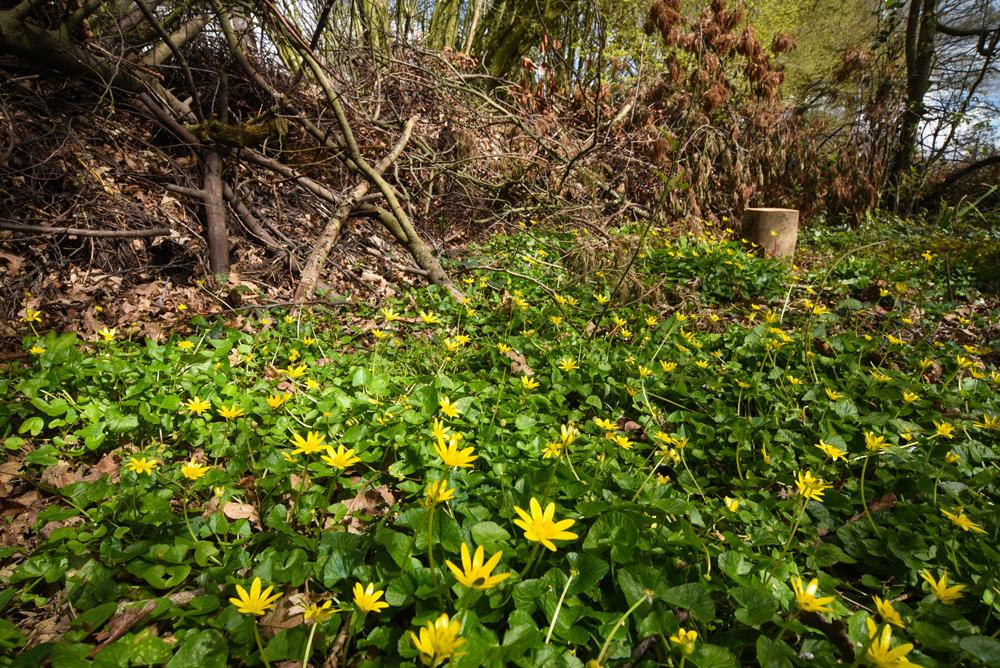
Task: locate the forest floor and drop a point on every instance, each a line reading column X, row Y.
column 645, row 449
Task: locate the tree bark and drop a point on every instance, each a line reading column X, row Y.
column 215, row 214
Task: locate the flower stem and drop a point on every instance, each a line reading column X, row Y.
column 620, row 623
column 788, row 543
column 864, row 504
column 430, row 543
column 643, row 485
column 260, row 645
column 531, row 560
column 309, row 646
column 555, row 614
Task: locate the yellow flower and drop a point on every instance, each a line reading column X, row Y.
column 451, row 455
column 806, row 597
column 448, row 408
column 667, row 366
column 308, row 341
column 503, row 348
column 963, row 521
column 988, row 422
column 601, row 299
column 31, row 315
column 556, row 320
column 951, row 458
column 192, row 470
column 340, row 458
column 879, row 376
column 429, row 318
column 881, row 653
column 792, row 380
column 390, row 315
column 964, row 362
column 231, row 412
column 366, row 599
column 141, row 465
column 606, row 425
column 476, row 574
column 107, row 334
column 686, row 640
column 644, row 371
column 940, row 588
column 927, row 255
column 317, row 613
column 278, row 400
column 196, row 405
column 875, row 443
column 289, row 319
column 819, row 309
column 313, row 442
column 185, row 345
column 810, row 486
column 732, row 505
column 568, row 364
column 834, row 395
column 887, row 612
column 438, row 640
column 379, row 334
column 293, row 355
column 439, row 430
column 36, row 350
column 540, row 526
column 294, row 372
column 257, row 602
column 567, row 434
column 832, row 451
column 528, row 383
column 944, row 429
column 910, row 397
column 894, row 340
column 552, row 449
column 622, row 441
column 438, row 492
column 182, row 307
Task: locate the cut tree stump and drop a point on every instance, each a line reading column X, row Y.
column 774, row 230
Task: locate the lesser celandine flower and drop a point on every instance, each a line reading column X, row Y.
column 313, row 442
column 805, row 596
column 568, row 364
column 185, row 344
column 951, row 458
column 732, row 505
column 944, row 429
column 811, row 487
column 833, row 394
column 439, row 430
column 476, row 574
column 31, row 315
column 685, row 640
column 567, row 434
column 438, row 641
column 231, row 412
column 832, row 451
column 196, row 405
column 429, row 318
column 438, row 492
column 962, row 520
column 278, row 400
column 254, row 602
column 451, row 455
column 888, row 613
column 988, row 422
column 340, row 458
column 539, row 526
column 294, row 372
column 622, row 441
column 910, row 397
column 875, row 443
column 880, row 651
column 366, row 599
column 448, row 408
column 667, row 366
column 192, row 470
column 552, row 449
column 940, row 588
column 606, row 425
column 318, row 613
column 528, row 383
column 141, row 465
column 107, row 334
column 36, row 349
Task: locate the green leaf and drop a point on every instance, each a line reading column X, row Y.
column 33, row 425
column 119, row 423
column 204, row 649
column 489, row 533
column 774, row 653
column 713, row 656
column 984, row 648
column 757, row 605
column 693, row 596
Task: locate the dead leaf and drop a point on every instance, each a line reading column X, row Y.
column 241, row 511
column 123, row 620
column 518, row 365
column 14, row 264
column 367, row 502
column 59, row 475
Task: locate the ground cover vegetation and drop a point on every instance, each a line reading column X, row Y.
column 694, row 455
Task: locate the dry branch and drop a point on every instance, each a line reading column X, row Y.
column 76, row 231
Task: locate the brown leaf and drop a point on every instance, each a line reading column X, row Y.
column 518, row 365
column 367, row 503
column 121, row 623
column 59, row 475
column 241, row 511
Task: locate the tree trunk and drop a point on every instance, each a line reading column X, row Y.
column 215, row 214
column 774, row 230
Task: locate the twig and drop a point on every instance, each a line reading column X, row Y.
column 107, row 234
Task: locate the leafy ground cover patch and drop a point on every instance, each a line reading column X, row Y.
column 717, row 460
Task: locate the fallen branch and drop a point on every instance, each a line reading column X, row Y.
column 76, row 231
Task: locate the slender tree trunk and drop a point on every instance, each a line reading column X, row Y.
column 921, row 26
